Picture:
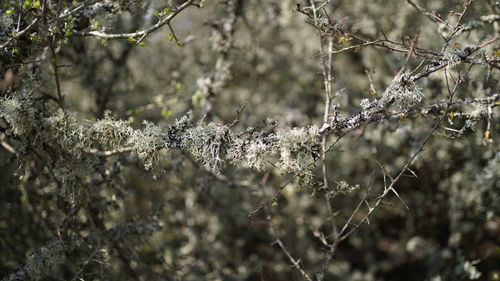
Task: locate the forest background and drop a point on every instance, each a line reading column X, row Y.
column 249, row 140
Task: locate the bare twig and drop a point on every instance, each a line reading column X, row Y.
column 343, row 234
column 430, row 15
column 108, row 153
column 279, row 242
column 8, row 147
column 20, row 33
column 141, row 33
column 326, row 62
column 60, row 97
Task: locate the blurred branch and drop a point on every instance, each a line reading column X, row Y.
column 46, row 259
column 77, row 8
column 139, row 34
column 225, row 28
column 20, row 33
column 8, row 147
column 60, row 97
column 99, row 223
column 433, row 16
column 279, row 242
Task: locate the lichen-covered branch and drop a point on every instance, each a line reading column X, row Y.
column 212, row 144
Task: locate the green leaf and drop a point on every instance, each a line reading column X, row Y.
column 26, row 4
column 142, row 44
column 9, row 12
column 166, row 113
column 344, row 39
column 131, row 40
column 167, row 11
column 156, row 13
column 203, row 3
column 196, row 98
column 68, row 33
column 34, row 37
column 36, row 4
column 170, row 37
column 180, row 43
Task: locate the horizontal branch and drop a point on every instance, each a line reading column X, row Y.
column 108, row 153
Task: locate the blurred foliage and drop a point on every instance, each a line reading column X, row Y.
column 193, row 151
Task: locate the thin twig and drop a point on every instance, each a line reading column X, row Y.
column 292, row 178
column 20, row 33
column 8, row 147
column 138, row 34
column 430, row 15
column 326, row 62
column 279, row 242
column 341, row 236
column 107, row 153
column 60, row 97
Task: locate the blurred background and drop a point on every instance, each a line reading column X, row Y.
column 264, row 55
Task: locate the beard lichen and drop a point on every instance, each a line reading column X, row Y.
column 208, row 144
column 290, row 150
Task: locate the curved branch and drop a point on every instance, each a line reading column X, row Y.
column 142, row 33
